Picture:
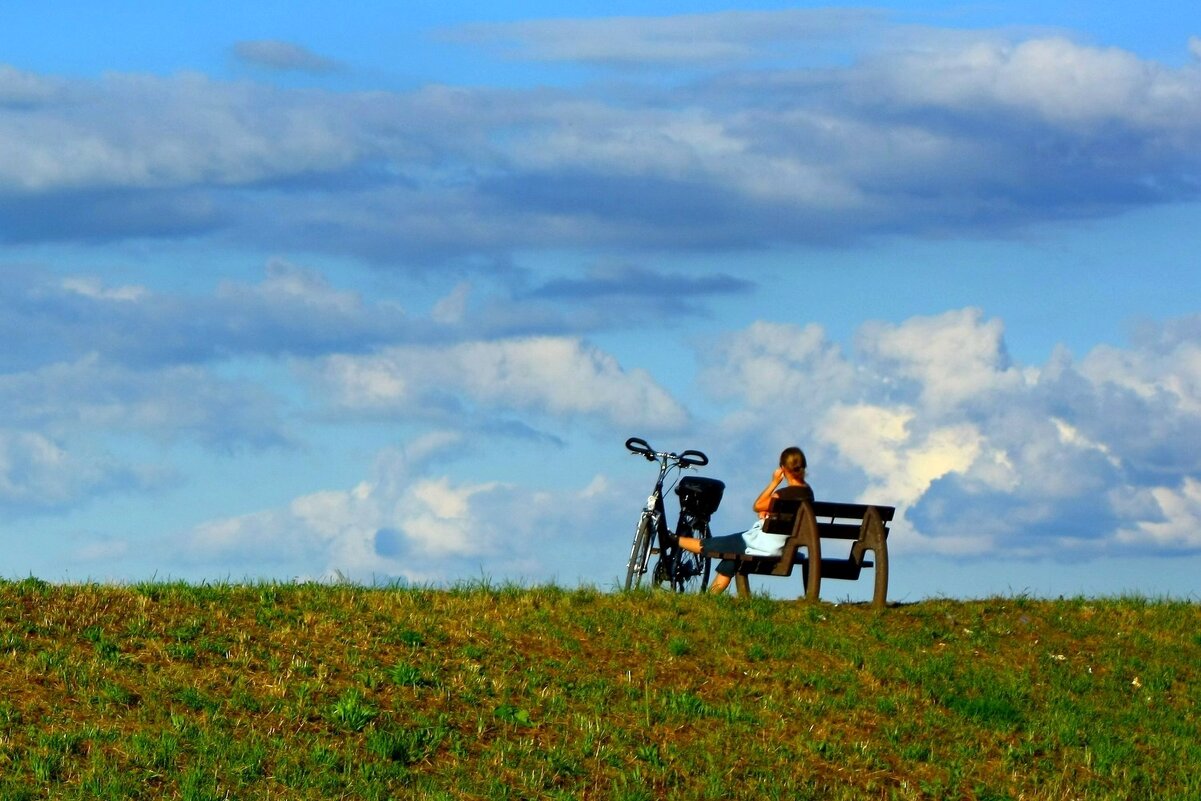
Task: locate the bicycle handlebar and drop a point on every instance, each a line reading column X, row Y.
column 689, row 458
column 640, row 447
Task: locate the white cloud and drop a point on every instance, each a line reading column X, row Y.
column 557, row 376
column 898, row 466
column 953, row 357
column 1174, row 372
column 778, row 366
column 146, row 132
column 406, row 521
column 32, row 468
column 400, row 522
column 1058, row 80
column 38, row 474
column 1178, row 525
column 981, row 454
column 1069, row 435
column 437, row 518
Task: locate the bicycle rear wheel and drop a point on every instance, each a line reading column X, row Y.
column 683, row 571
column 705, row 566
column 639, row 551
column 692, row 574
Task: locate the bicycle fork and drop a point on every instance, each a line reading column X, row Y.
column 646, row 536
column 640, row 551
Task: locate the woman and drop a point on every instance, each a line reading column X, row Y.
column 754, row 541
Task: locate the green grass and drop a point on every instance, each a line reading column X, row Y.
column 335, row 691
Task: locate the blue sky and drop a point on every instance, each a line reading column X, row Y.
column 295, row 290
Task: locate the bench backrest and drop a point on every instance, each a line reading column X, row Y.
column 785, row 506
column 844, row 521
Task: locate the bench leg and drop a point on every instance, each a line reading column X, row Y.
column 880, row 596
column 743, row 584
column 872, row 536
column 813, row 579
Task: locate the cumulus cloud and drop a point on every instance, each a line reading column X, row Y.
column 982, row 455
column 407, row 521
column 1178, row 526
column 558, row 376
column 778, row 365
column 950, row 358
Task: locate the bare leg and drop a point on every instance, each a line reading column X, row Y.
column 693, row 545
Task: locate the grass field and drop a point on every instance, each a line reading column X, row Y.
column 291, row 691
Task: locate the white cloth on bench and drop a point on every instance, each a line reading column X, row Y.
column 761, row 543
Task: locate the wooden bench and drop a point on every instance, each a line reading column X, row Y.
column 808, row 522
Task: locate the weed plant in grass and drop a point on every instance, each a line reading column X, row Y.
column 315, row 691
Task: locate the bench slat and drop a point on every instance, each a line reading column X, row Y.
column 842, row 569
column 840, row 531
column 854, row 511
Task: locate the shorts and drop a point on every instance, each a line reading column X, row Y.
column 730, row 543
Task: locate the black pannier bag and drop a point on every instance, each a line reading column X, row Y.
column 700, row 496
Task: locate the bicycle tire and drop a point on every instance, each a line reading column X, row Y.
column 639, row 551
column 706, row 562
column 682, row 571
column 692, row 570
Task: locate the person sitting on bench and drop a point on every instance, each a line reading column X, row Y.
column 754, row 541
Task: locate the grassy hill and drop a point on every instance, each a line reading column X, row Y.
column 315, row 691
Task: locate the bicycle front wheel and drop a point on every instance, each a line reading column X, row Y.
column 639, row 551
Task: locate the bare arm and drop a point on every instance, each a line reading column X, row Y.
column 763, row 502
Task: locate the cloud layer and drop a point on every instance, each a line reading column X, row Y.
column 921, row 131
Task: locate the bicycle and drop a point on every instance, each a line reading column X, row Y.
column 699, row 497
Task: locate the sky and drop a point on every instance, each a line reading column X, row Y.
column 305, row 291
